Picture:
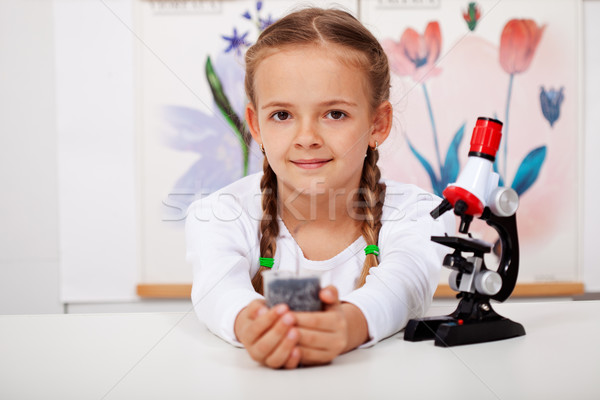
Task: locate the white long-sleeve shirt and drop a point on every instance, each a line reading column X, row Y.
column 223, row 241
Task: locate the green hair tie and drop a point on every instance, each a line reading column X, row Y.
column 371, row 249
column 266, row 262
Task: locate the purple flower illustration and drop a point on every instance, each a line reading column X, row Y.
column 217, row 132
column 260, row 22
column 209, row 135
column 236, row 43
column 550, row 101
column 265, row 22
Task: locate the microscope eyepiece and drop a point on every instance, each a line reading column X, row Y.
column 441, row 209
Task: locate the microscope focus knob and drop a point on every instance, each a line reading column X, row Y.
column 504, row 202
column 454, row 280
column 488, row 283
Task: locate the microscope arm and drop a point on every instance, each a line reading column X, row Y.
column 508, row 268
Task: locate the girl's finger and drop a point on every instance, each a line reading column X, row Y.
column 318, row 321
column 282, row 353
column 294, row 360
column 315, row 356
column 263, row 322
column 264, row 346
column 256, row 308
column 329, row 295
column 319, row 340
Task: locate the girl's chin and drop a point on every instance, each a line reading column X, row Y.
column 314, row 186
column 306, row 186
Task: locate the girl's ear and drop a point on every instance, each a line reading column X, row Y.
column 382, row 123
column 252, row 122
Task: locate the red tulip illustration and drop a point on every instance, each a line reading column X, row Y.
column 519, row 40
column 415, row 55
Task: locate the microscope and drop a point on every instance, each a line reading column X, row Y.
column 476, row 194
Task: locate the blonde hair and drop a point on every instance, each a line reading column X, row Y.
column 315, row 26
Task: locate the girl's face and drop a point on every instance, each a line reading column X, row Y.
column 313, row 118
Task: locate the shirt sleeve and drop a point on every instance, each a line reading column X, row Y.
column 220, row 249
column 401, row 287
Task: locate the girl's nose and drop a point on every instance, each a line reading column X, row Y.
column 308, row 135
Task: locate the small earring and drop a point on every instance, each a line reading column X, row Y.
column 376, row 146
column 262, row 149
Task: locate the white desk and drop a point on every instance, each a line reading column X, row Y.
column 172, row 356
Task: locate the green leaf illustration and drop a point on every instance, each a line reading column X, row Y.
column 435, row 183
column 234, row 121
column 529, row 170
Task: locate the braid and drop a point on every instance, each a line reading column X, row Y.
column 371, row 194
column 269, row 226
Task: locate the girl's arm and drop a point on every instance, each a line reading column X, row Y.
column 221, row 246
column 402, row 285
column 357, row 330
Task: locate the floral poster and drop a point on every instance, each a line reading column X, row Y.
column 192, row 136
column 515, row 61
column 452, row 61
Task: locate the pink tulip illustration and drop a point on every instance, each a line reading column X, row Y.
column 415, row 55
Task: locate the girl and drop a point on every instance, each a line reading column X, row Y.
column 318, row 85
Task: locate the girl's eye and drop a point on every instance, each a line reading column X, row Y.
column 336, row 115
column 280, row 116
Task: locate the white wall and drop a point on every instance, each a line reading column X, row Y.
column 29, row 172
column 94, row 48
column 29, row 259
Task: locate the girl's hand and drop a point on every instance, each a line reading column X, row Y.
column 325, row 335
column 269, row 336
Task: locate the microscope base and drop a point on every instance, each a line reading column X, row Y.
column 449, row 331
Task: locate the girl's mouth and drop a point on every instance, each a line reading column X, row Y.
column 311, row 163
